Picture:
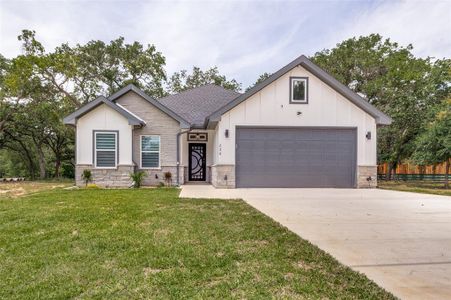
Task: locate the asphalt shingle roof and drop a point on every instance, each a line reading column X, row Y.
column 196, row 104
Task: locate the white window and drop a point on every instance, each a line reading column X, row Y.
column 105, row 149
column 150, row 152
column 299, row 90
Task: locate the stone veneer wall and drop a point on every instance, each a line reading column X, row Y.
column 363, row 172
column 218, row 172
column 151, row 179
column 119, row 177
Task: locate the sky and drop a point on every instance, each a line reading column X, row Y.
column 243, row 38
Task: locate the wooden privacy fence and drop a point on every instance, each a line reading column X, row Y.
column 414, row 172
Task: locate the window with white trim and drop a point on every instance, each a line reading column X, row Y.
column 105, row 149
column 299, row 90
column 150, row 151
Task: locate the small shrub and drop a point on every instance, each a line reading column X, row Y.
column 168, row 178
column 86, row 176
column 137, row 178
column 161, row 184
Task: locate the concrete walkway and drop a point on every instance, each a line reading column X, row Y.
column 400, row 240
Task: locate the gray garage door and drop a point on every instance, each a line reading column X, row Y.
column 295, row 157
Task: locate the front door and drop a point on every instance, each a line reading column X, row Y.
column 197, row 162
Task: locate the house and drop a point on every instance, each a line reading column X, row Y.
column 298, row 128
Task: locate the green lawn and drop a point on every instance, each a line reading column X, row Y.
column 416, row 186
column 147, row 243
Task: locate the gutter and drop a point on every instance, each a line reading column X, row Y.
column 178, row 153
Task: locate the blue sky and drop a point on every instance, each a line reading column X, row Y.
column 242, row 38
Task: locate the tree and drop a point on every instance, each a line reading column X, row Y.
column 261, row 78
column 83, row 72
column 181, row 81
column 392, row 79
column 38, row 88
column 433, row 145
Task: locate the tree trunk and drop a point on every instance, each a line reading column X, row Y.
column 30, row 163
column 387, row 172
column 57, row 167
column 393, row 168
column 390, row 169
column 447, row 174
column 41, row 160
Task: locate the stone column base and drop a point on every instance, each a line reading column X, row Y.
column 223, row 176
column 366, row 177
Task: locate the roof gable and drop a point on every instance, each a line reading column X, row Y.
column 184, row 123
column 380, row 117
column 132, row 118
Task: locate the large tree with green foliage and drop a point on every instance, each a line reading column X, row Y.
column 394, row 80
column 433, row 145
column 38, row 88
column 82, row 72
column 181, row 81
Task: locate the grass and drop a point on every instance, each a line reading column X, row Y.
column 18, row 189
column 416, row 186
column 130, row 244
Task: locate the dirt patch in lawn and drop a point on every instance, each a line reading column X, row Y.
column 18, row 189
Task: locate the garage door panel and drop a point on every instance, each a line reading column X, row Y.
column 295, row 157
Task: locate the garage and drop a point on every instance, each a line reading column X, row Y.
column 292, row 157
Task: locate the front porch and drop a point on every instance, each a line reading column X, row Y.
column 197, row 159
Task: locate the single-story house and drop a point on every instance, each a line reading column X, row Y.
column 298, row 128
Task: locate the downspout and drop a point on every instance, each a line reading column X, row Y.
column 135, row 165
column 178, row 154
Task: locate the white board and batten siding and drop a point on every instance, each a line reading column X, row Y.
column 103, row 118
column 271, row 107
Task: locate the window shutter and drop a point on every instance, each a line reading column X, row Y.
column 106, row 150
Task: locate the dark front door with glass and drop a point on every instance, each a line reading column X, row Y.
column 197, row 162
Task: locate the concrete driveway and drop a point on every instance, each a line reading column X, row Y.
column 400, row 240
